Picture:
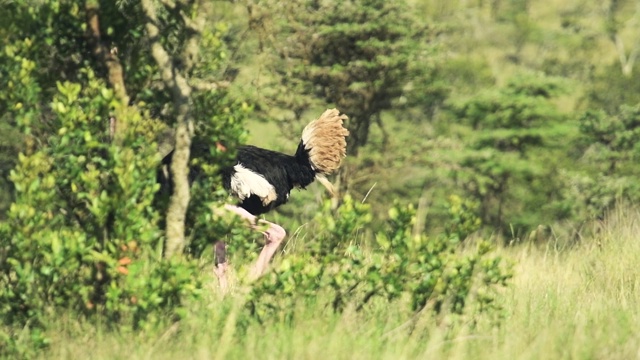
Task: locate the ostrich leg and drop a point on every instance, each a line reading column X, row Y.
column 273, row 235
column 220, row 268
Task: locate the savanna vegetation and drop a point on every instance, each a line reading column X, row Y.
column 487, row 207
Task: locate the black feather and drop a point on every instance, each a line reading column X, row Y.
column 282, row 171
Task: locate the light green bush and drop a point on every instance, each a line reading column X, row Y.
column 336, row 270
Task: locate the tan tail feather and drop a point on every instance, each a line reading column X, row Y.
column 325, row 139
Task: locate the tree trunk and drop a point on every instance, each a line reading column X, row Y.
column 179, row 201
column 175, row 80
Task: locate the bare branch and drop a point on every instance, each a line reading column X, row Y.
column 200, row 85
column 626, row 62
column 622, row 55
column 614, row 29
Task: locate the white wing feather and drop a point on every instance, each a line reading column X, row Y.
column 245, row 182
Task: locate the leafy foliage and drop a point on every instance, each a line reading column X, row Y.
column 510, row 150
column 463, row 218
column 336, row 267
column 609, row 89
column 614, row 139
column 354, row 54
column 612, row 144
column 84, row 231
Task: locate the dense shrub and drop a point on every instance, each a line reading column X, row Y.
column 82, row 234
column 337, row 269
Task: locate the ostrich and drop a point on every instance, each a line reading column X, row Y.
column 263, row 179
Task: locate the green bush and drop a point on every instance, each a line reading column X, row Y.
column 84, row 231
column 82, row 234
column 337, row 270
column 324, row 268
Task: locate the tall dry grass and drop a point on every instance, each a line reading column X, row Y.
column 580, row 302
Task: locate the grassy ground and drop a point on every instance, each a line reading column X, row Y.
column 575, row 303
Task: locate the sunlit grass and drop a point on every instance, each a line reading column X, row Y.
column 579, row 303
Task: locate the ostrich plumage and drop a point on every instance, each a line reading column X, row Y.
column 263, row 179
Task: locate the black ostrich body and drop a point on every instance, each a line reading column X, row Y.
column 283, row 172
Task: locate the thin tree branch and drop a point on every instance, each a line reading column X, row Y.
column 103, row 53
column 633, row 56
column 622, row 55
column 196, row 26
column 199, row 85
column 109, row 58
